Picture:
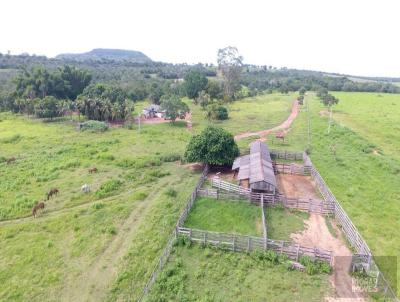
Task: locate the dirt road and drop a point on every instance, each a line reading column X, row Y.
column 317, row 234
column 282, row 127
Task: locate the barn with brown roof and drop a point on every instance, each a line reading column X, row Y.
column 255, row 170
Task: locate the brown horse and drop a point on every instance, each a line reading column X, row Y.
column 37, row 207
column 93, row 170
column 52, row 192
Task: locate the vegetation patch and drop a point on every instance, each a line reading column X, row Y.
column 205, row 274
column 95, row 126
column 225, row 216
column 282, row 222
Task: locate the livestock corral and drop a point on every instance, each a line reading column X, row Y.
column 330, row 236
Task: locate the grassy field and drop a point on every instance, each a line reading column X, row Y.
column 196, row 274
column 225, row 216
column 364, row 172
column 373, row 116
column 102, row 245
column 84, row 236
column 251, row 114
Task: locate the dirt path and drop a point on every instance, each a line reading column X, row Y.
column 317, row 234
column 94, row 283
column 284, row 126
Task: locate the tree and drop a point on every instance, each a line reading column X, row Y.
column 230, row 66
column 213, row 146
column 302, row 90
column 104, row 103
column 47, row 107
column 195, row 82
column 174, row 107
column 216, row 112
column 214, row 89
column 203, row 99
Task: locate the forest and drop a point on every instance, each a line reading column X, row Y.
column 106, row 89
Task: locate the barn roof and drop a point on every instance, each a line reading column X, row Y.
column 257, row 166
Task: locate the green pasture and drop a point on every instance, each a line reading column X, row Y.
column 196, row 274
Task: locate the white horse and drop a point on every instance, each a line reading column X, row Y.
column 85, row 188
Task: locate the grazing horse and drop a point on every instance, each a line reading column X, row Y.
column 85, row 188
column 93, row 170
column 52, row 192
column 11, row 160
column 37, row 207
column 281, row 135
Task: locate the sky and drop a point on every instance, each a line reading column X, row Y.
column 345, row 36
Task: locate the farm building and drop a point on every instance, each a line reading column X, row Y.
column 255, row 171
column 153, row 111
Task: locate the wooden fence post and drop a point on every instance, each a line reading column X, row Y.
column 234, row 243
column 282, row 243
column 249, row 244
column 205, row 238
column 297, row 252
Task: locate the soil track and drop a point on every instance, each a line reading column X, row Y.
column 282, row 127
column 318, row 235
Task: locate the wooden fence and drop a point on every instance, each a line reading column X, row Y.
column 287, row 155
column 240, row 243
column 363, row 256
column 290, row 169
column 168, row 248
column 232, row 192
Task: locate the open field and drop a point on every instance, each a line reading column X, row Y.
column 112, row 237
column 196, row 274
column 251, row 114
column 364, row 181
column 374, row 116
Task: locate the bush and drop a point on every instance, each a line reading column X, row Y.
column 108, row 187
column 217, row 112
column 171, row 192
column 95, row 126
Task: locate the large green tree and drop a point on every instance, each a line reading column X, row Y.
column 195, row 81
column 174, row 107
column 213, row 146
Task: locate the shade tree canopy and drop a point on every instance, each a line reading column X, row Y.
column 195, row 81
column 213, row 146
column 174, row 107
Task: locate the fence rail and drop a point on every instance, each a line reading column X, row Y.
column 230, row 191
column 292, row 168
column 287, row 155
column 168, row 248
column 240, row 243
column 363, row 253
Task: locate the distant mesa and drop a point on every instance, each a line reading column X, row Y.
column 108, row 54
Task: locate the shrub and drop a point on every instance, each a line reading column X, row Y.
column 108, row 187
column 94, row 126
column 139, row 195
column 171, row 192
column 167, row 158
column 98, row 205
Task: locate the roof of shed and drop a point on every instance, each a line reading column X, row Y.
column 257, row 166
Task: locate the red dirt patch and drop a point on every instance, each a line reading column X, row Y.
column 317, row 234
column 297, row 186
column 285, row 125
